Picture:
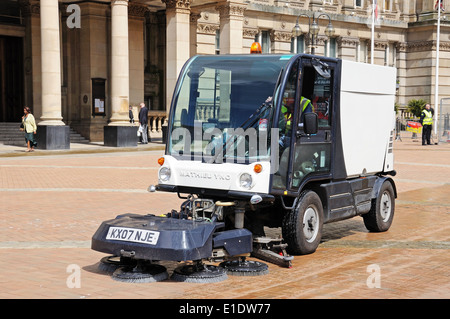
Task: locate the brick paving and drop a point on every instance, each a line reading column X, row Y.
column 52, row 202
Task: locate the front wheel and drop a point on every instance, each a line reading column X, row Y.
column 381, row 214
column 302, row 226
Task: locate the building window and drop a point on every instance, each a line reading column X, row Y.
column 263, row 37
column 390, row 55
column 387, row 5
column 359, row 3
column 298, row 44
column 362, row 52
column 330, row 48
column 10, row 12
column 217, row 49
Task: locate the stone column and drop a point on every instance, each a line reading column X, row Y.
column 118, row 133
column 379, row 51
column 347, row 47
column 402, row 49
column 321, row 41
column 231, row 26
column 52, row 133
column 193, row 33
column 315, row 5
column 348, row 6
column 51, row 64
column 136, row 15
column 120, row 79
column 281, row 41
column 178, row 44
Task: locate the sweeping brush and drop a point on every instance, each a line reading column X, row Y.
column 141, row 273
column 202, row 274
column 110, row 264
column 245, row 268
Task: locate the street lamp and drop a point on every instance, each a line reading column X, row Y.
column 313, row 28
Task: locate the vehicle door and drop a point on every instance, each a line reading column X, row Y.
column 311, row 156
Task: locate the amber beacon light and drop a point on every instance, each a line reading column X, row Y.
column 255, row 48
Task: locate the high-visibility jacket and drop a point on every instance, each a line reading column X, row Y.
column 427, row 117
column 306, row 106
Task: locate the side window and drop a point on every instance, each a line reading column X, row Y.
column 316, row 95
column 322, row 99
column 285, row 125
column 288, row 104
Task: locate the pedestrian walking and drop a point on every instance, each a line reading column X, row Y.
column 29, row 127
column 426, row 119
column 143, row 120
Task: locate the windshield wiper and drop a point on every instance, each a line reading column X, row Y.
column 245, row 125
column 260, row 109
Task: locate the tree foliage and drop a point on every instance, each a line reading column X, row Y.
column 416, row 106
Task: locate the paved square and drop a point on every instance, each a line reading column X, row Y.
column 52, row 203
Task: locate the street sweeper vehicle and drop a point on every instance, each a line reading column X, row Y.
column 256, row 143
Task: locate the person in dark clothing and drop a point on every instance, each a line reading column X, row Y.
column 426, row 119
column 143, row 121
column 130, row 114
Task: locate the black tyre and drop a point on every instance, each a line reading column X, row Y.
column 381, row 214
column 302, row 226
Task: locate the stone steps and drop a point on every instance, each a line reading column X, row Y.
column 10, row 134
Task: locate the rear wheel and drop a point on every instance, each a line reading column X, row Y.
column 302, row 226
column 381, row 214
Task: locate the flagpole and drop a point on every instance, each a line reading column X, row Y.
column 436, row 86
column 373, row 33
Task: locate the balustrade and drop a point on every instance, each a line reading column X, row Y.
column 156, row 119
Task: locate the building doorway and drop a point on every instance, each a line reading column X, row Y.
column 11, row 79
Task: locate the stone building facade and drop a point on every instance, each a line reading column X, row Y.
column 82, row 63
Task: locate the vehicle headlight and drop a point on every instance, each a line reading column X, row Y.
column 164, row 174
column 246, row 180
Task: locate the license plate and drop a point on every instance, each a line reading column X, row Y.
column 142, row 236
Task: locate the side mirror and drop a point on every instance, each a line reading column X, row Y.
column 322, row 68
column 310, row 123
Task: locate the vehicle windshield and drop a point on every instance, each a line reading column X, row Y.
column 222, row 108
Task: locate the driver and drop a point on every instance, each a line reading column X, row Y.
column 287, row 111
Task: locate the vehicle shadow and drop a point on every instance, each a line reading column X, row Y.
column 331, row 231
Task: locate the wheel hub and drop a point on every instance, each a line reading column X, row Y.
column 310, row 224
column 385, row 209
